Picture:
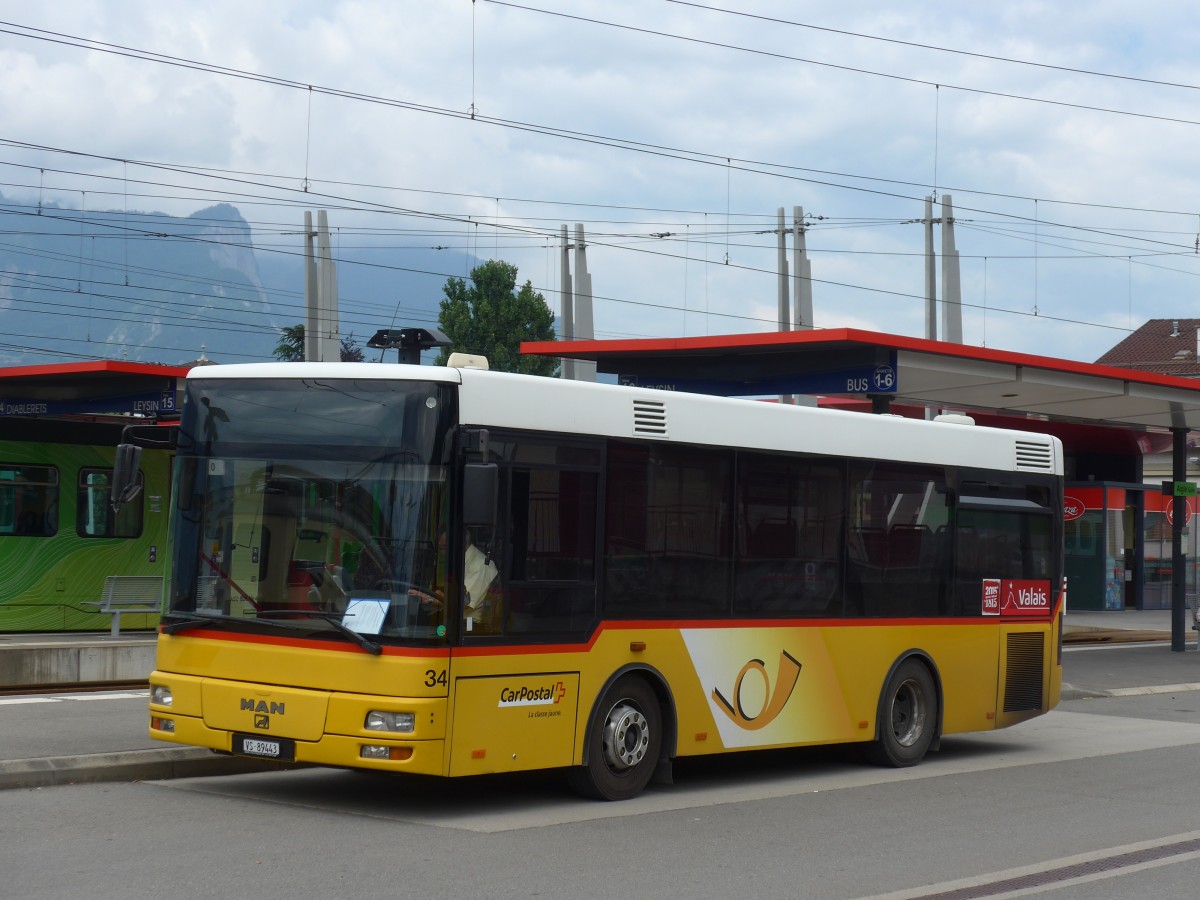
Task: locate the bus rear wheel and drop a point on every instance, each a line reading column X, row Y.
column 908, row 715
column 623, row 743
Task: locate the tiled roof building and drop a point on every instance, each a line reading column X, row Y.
column 1165, row 346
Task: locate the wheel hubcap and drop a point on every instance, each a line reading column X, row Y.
column 908, row 714
column 626, row 737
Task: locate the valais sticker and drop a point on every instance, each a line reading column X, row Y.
column 1011, row 597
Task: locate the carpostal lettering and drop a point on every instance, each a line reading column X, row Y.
column 527, row 695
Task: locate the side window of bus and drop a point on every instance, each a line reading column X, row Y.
column 28, row 500
column 898, row 549
column 94, row 516
column 549, row 495
column 1003, row 532
column 790, row 524
column 668, row 533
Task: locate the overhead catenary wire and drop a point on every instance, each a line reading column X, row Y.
column 535, row 236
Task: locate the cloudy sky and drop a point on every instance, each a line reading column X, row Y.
column 1065, row 133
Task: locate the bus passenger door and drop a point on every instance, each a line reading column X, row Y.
column 512, row 723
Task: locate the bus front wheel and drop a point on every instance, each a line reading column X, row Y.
column 623, row 743
column 908, row 715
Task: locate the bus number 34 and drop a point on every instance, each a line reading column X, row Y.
column 434, row 678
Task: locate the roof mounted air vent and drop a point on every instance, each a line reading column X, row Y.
column 650, row 417
column 1034, row 456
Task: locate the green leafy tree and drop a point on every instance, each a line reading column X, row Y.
column 351, row 350
column 491, row 317
column 291, row 346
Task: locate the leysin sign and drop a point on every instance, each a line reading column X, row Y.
column 1013, row 597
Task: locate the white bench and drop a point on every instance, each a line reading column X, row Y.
column 129, row 594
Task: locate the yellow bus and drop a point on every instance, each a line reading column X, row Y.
column 453, row 571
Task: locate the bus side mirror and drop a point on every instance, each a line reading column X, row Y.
column 187, row 482
column 125, row 483
column 480, row 488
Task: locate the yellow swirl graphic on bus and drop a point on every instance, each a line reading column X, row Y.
column 789, row 672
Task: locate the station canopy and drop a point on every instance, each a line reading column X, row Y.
column 855, row 364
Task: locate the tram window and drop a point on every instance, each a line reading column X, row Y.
column 94, row 516
column 28, row 500
column 668, row 544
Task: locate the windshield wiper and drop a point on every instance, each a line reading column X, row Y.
column 333, row 619
column 199, row 621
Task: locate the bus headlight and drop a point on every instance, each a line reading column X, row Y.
column 401, row 723
column 160, row 694
column 392, row 754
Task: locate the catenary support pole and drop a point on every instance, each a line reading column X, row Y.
column 951, row 283
column 1178, row 521
column 567, row 330
column 585, row 369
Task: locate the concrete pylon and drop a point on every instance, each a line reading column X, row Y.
column 801, row 273
column 322, row 338
column 930, row 274
column 567, row 330
column 327, row 298
column 785, row 304
column 951, row 280
column 312, row 314
column 585, row 369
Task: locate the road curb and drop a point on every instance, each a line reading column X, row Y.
column 1073, row 693
column 1086, row 635
column 128, row 765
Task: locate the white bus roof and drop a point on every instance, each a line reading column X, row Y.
column 504, row 400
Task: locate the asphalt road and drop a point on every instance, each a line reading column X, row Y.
column 1095, row 799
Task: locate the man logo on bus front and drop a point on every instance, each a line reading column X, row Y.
column 789, row 672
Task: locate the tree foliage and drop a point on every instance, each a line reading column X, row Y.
column 351, row 350
column 491, row 317
column 291, row 346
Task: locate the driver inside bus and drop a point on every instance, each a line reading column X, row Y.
column 482, row 613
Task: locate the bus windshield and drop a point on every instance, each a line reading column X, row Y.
column 314, row 505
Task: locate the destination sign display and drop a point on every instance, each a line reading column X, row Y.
column 876, row 379
column 157, row 403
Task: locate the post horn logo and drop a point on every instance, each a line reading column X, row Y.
column 789, row 672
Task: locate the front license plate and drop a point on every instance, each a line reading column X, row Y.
column 265, row 748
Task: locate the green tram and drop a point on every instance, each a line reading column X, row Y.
column 63, row 550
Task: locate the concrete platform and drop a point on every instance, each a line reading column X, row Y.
column 1097, row 626
column 29, row 660
column 101, row 658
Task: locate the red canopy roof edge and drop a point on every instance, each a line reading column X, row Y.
column 776, row 339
